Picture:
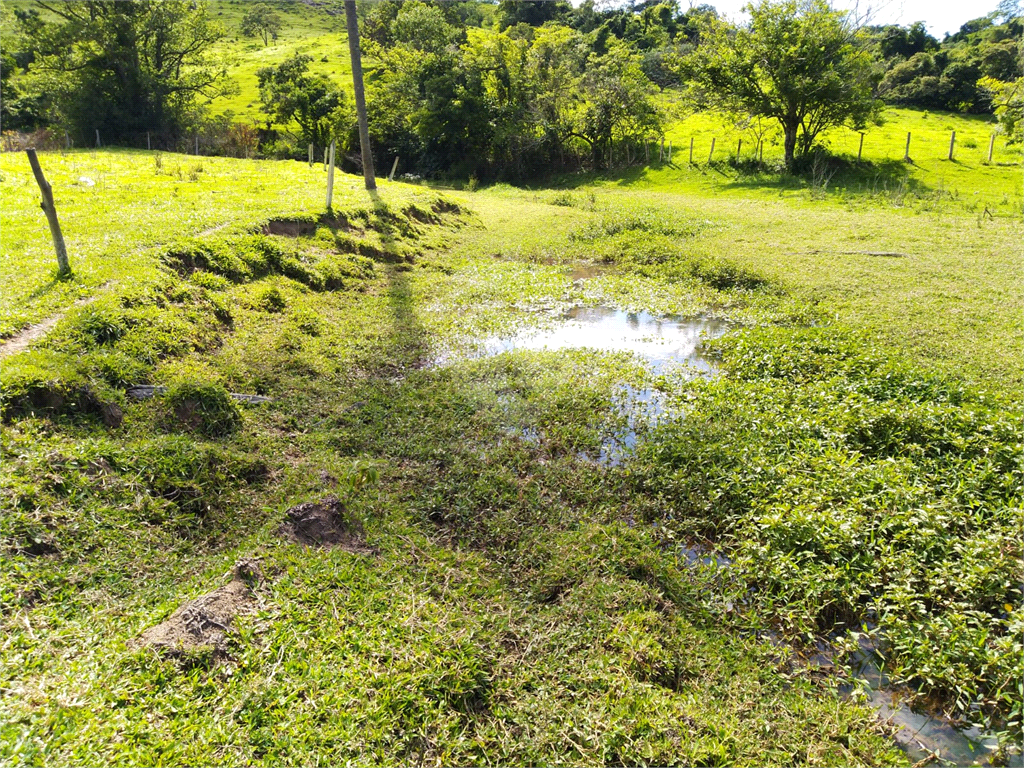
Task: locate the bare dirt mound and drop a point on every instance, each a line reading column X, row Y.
column 289, row 227
column 203, row 623
column 325, row 523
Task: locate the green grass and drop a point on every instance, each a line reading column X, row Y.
column 969, row 181
column 305, row 30
column 136, row 202
column 859, row 461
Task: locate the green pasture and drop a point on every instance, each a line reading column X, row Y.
column 516, row 602
column 969, row 180
column 116, row 205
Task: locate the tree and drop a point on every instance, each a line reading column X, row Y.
column 124, row 66
column 289, row 92
column 352, row 22
column 800, row 64
column 1008, row 103
column 261, row 20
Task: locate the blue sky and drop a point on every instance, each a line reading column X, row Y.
column 940, row 16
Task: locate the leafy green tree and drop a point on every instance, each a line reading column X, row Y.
column 261, row 20
column 531, row 12
column 123, row 66
column 799, row 64
column 290, row 93
column 906, row 41
column 1008, row 103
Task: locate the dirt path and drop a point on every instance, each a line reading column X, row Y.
column 26, row 336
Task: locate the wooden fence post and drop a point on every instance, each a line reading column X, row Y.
column 149, row 144
column 197, row 145
column 670, row 150
column 98, row 138
column 860, row 149
column 67, row 140
column 647, row 152
column 661, row 152
column 63, row 267
column 906, row 152
column 739, row 147
column 394, row 167
column 712, row 152
column 310, row 155
column 952, row 141
column 691, row 150
column 991, row 146
column 330, row 178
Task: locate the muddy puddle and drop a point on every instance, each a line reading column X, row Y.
column 925, row 738
column 920, row 735
column 660, row 341
column 663, row 343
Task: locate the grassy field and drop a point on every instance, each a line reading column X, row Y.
column 511, row 600
column 968, row 181
column 305, row 30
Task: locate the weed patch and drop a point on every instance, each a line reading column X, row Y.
column 848, row 487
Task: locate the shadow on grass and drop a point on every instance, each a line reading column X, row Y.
column 56, row 279
column 822, row 172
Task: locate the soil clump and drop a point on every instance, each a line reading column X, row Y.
column 325, row 523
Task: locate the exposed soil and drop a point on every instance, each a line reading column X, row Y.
column 203, row 623
column 325, row 523
column 26, row 336
column 289, row 228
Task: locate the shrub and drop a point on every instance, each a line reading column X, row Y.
column 203, row 407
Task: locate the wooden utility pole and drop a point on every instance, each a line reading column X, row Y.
column 63, row 267
column 952, row 141
column 357, row 87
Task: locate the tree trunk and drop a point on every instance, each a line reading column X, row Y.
column 790, row 144
column 357, row 86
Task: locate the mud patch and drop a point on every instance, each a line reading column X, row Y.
column 202, row 624
column 325, row 523
column 289, row 227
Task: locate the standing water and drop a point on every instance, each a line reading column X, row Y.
column 661, row 341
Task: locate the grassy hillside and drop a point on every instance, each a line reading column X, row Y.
column 305, row 30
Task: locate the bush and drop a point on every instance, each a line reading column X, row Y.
column 203, row 407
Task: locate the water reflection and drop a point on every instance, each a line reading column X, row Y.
column 661, row 341
column 919, row 735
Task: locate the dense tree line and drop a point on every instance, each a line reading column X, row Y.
column 509, row 90
column 120, row 68
column 922, row 72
